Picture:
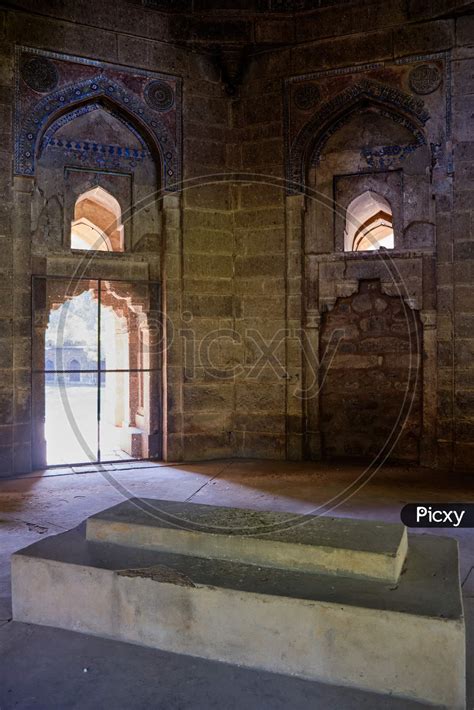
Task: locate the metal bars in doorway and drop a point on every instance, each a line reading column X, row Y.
column 96, row 370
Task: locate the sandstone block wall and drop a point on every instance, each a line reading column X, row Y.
column 247, row 288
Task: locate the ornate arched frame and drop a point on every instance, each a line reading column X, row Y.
column 69, row 101
column 136, row 307
column 303, row 154
column 123, row 91
column 332, row 115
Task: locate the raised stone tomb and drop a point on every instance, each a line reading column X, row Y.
column 191, row 579
column 284, row 540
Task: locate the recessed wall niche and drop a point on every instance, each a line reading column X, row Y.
column 93, row 147
column 95, row 118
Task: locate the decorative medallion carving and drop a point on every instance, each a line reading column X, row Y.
column 306, row 96
column 159, row 96
column 40, row 74
column 424, row 79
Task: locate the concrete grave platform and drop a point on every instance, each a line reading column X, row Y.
column 406, row 638
column 300, row 542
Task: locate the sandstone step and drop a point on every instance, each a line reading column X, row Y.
column 405, row 639
column 290, row 541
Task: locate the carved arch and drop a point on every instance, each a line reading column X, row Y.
column 331, row 116
column 68, row 117
column 68, row 100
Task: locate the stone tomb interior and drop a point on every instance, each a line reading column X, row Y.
column 240, row 234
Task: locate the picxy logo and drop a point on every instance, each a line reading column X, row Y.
column 429, row 515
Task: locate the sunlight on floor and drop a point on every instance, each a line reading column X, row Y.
column 71, row 427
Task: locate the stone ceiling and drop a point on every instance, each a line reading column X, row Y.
column 232, row 30
column 266, row 23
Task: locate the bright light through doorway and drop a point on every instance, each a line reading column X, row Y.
column 72, row 424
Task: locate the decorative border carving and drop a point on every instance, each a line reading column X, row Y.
column 99, row 155
column 91, row 153
column 105, row 87
column 48, row 136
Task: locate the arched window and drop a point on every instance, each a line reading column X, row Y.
column 368, row 223
column 74, row 376
column 97, row 223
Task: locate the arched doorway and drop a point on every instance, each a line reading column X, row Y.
column 98, row 160
column 96, row 130
column 101, row 401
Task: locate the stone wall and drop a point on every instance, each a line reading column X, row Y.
column 436, row 286
column 456, row 267
column 371, row 403
column 244, row 288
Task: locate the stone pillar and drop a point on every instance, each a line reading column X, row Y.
column 21, row 227
column 311, row 320
column 295, row 407
column 428, row 446
column 311, row 384
column 40, row 324
column 172, row 358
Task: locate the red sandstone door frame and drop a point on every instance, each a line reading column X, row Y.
column 138, row 303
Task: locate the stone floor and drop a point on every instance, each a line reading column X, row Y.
column 44, row 668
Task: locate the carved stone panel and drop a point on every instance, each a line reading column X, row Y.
column 53, row 89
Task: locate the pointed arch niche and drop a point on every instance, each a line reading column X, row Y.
column 88, row 124
column 149, row 101
column 97, row 146
column 362, row 165
column 98, row 167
